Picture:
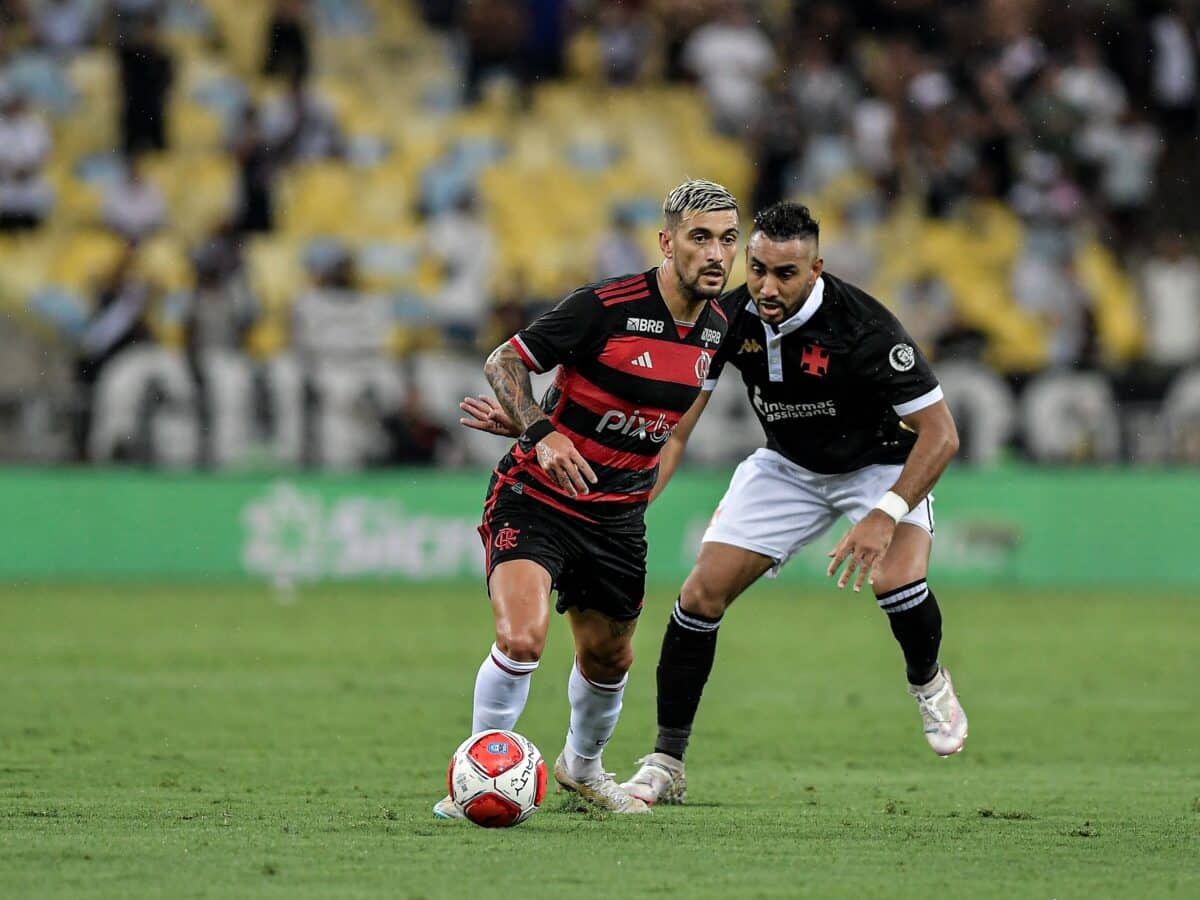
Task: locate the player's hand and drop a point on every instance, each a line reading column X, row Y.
column 863, row 548
column 563, row 463
column 483, row 413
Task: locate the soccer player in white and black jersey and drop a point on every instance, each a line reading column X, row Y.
column 856, row 426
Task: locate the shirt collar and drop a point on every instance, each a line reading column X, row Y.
column 804, row 313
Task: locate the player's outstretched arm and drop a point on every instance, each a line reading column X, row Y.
column 866, row 544
column 508, row 375
column 672, row 451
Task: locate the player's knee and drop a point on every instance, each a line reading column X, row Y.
column 703, row 598
column 523, row 644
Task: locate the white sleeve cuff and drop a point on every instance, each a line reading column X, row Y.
column 523, row 349
column 918, row 404
column 709, row 384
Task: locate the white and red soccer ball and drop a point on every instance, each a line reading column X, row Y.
column 497, row 778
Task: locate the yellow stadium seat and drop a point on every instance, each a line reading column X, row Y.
column 85, row 257
column 1114, row 300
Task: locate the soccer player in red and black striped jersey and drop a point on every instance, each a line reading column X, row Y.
column 565, row 507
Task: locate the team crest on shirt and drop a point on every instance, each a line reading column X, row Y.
column 814, row 360
column 703, row 362
column 902, row 357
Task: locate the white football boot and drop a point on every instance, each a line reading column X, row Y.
column 659, row 780
column 446, row 808
column 601, row 791
column 943, row 716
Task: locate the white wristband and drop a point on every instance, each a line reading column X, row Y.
column 894, row 505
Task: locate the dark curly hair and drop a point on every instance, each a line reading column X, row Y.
column 785, row 220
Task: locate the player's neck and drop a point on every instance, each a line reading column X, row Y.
column 683, row 306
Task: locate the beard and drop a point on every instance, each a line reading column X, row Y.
column 696, row 290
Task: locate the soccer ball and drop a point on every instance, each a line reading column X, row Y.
column 497, row 778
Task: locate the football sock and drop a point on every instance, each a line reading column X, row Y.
column 916, row 622
column 595, row 708
column 501, row 689
column 688, row 649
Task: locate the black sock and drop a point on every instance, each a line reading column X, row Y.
column 688, row 649
column 916, row 622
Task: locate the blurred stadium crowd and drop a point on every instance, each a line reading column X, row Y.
column 286, row 231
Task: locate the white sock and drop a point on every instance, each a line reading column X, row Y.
column 595, row 708
column 935, row 684
column 501, row 689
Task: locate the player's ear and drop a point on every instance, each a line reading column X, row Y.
column 664, row 243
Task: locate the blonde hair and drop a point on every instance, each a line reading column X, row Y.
column 695, row 196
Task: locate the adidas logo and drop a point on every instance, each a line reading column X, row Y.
column 644, row 361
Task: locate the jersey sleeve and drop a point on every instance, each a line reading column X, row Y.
column 560, row 336
column 718, row 364
column 892, row 364
column 730, row 307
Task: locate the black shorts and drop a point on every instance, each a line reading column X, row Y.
column 600, row 566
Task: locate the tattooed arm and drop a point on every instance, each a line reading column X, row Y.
column 508, row 375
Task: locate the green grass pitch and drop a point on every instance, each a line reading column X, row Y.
column 209, row 741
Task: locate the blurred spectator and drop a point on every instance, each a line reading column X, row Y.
column 462, row 242
column 300, row 127
column 619, row 251
column 440, row 14
column 146, row 75
column 1173, row 70
column 25, row 145
column 731, row 59
column 414, row 436
column 1126, row 149
column 825, row 93
column 334, row 320
column 1089, row 85
column 13, row 15
column 118, row 321
column 255, row 203
column 926, row 307
column 133, row 206
column 1171, row 294
column 942, row 162
column 64, row 26
column 546, row 37
column 625, row 41
column 496, row 32
column 220, row 310
column 776, row 142
column 287, row 54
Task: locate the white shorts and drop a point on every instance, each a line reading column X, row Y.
column 774, row 507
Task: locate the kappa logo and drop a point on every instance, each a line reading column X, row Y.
column 703, row 364
column 506, row 538
column 644, row 361
column 750, row 345
column 653, row 326
column 902, row 357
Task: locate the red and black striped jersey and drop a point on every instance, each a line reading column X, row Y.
column 626, row 376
